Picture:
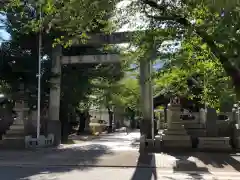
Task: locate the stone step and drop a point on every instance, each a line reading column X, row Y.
column 18, row 123
column 16, row 127
column 174, row 132
column 175, row 138
column 197, row 132
column 14, row 131
column 194, row 126
column 13, row 143
column 16, row 134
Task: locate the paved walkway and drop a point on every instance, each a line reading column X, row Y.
column 118, row 141
column 100, row 156
column 115, row 151
column 101, row 173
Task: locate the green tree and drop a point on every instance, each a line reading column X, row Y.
column 194, row 73
column 216, row 24
column 70, row 19
column 20, row 55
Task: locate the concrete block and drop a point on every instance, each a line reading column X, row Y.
column 42, row 141
column 177, row 141
column 214, row 143
column 176, row 125
column 174, row 132
column 175, row 138
column 158, row 140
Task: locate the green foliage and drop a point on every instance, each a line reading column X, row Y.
column 209, row 35
column 194, row 62
column 20, row 54
column 72, row 18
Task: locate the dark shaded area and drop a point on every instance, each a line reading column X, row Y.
column 141, row 173
column 7, row 114
column 87, row 156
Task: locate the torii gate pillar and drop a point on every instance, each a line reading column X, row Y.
column 146, row 98
column 54, row 124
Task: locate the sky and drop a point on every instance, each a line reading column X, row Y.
column 3, row 34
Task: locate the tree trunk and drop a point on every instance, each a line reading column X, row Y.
column 146, row 128
column 82, row 123
column 132, row 118
column 110, row 113
column 64, row 122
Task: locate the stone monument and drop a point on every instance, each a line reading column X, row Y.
column 212, row 141
column 175, row 135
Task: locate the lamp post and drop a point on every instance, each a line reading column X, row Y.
column 39, row 74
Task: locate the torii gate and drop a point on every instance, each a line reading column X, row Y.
column 54, row 125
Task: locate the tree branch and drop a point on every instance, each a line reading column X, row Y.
column 230, row 69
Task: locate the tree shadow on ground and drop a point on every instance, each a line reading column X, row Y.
column 208, row 161
column 146, row 167
column 219, row 160
column 52, row 161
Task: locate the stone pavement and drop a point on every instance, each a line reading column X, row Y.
column 102, row 173
column 101, row 156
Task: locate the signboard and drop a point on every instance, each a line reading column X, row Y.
column 87, row 59
column 114, row 38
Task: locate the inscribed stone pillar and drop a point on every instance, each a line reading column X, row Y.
column 211, row 122
column 169, row 116
column 202, row 116
column 19, row 108
column 176, row 112
column 238, row 117
column 54, row 125
column 234, row 114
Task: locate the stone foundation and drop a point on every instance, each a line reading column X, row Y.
column 214, row 143
column 41, row 142
column 176, row 136
column 177, row 141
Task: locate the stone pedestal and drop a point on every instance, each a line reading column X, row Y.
column 214, row 143
column 14, row 137
column 175, row 135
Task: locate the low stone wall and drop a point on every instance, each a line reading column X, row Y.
column 97, row 128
